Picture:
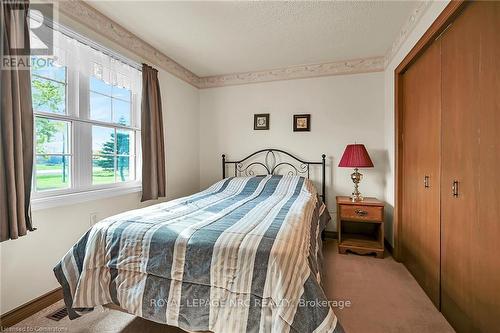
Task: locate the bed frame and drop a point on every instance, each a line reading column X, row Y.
column 271, row 161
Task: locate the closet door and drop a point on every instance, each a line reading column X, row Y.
column 470, row 298
column 421, row 163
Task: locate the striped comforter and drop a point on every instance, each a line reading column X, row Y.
column 242, row 256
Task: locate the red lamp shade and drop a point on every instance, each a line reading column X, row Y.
column 356, row 156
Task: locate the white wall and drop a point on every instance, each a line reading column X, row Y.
column 181, row 129
column 343, row 109
column 425, row 22
column 26, row 263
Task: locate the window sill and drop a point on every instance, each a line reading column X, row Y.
column 79, row 197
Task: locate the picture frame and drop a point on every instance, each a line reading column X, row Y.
column 302, row 123
column 261, row 121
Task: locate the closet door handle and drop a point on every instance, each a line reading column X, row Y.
column 426, row 182
column 454, row 188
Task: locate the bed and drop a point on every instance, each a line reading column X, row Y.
column 243, row 255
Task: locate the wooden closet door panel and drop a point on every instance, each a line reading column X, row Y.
column 421, row 151
column 470, row 273
column 487, row 227
column 460, row 75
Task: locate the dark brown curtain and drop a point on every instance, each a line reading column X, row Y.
column 16, row 123
column 153, row 150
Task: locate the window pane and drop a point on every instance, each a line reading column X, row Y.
column 52, row 172
column 121, row 93
column 100, row 86
column 123, row 169
column 103, row 140
column 100, row 107
column 121, row 112
column 103, row 170
column 52, row 136
column 48, row 69
column 123, row 140
column 48, row 96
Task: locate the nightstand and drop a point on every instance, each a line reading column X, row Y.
column 360, row 226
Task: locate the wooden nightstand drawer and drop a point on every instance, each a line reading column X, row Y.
column 361, row 213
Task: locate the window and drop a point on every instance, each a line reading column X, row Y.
column 111, row 155
column 48, row 87
column 52, row 154
column 86, row 119
column 108, row 103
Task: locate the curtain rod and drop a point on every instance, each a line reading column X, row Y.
column 84, row 40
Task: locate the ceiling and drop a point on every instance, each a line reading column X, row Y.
column 214, row 38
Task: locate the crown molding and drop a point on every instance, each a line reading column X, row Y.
column 88, row 16
column 406, row 29
column 366, row 65
column 95, row 20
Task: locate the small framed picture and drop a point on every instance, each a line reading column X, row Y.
column 301, row 122
column 261, row 121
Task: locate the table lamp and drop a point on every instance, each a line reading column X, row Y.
column 355, row 156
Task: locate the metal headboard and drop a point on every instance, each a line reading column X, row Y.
column 270, row 166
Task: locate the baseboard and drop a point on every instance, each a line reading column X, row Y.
column 330, row 234
column 24, row 311
column 388, row 246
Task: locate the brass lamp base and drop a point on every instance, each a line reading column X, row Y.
column 356, row 179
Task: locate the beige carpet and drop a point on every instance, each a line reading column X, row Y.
column 382, row 294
